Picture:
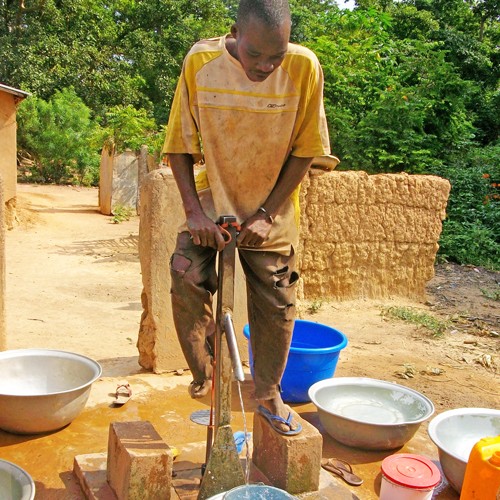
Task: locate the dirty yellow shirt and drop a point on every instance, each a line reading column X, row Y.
column 246, row 130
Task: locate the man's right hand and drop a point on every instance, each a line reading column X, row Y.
column 205, row 232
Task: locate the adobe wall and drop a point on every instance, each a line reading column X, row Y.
column 371, row 236
column 160, row 216
column 8, row 156
column 361, row 236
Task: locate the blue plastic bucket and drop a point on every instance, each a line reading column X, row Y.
column 313, row 356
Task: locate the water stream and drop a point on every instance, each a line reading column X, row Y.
column 245, row 432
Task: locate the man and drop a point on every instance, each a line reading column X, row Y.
column 252, row 104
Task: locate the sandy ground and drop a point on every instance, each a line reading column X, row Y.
column 73, row 282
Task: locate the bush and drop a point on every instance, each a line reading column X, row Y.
column 56, row 135
column 471, row 232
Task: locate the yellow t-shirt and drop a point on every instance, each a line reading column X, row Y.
column 246, row 130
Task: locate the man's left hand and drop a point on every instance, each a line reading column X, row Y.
column 254, row 231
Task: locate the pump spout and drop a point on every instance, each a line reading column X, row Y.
column 233, row 348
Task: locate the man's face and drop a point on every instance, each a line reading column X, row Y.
column 260, row 49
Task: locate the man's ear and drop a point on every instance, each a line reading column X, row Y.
column 234, row 30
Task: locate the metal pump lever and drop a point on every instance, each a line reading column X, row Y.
column 223, row 470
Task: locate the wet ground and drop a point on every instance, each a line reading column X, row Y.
column 163, row 401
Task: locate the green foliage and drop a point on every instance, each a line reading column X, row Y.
column 315, row 306
column 392, row 105
column 126, row 128
column 57, row 135
column 491, row 294
column 471, row 232
column 121, row 213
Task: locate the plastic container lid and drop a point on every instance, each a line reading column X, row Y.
column 413, row 471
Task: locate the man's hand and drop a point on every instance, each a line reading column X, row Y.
column 205, row 232
column 255, row 230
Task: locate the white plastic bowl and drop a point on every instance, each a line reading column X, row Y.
column 369, row 413
column 43, row 390
column 455, row 432
column 15, row 483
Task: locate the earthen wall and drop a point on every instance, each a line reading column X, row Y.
column 370, row 236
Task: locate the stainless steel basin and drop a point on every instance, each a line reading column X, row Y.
column 455, row 432
column 15, row 483
column 43, row 390
column 368, row 413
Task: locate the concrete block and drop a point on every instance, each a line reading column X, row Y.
column 139, row 462
column 292, row 463
column 90, row 471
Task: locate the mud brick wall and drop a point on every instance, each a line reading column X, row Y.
column 371, row 236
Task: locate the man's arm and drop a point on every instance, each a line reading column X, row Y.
column 255, row 230
column 203, row 230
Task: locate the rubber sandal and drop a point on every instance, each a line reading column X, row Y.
column 276, row 418
column 342, row 469
column 123, row 394
column 198, row 390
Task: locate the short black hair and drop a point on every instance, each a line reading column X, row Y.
column 272, row 12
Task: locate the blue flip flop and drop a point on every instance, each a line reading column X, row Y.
column 276, row 418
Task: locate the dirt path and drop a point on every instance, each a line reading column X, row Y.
column 73, row 282
column 73, row 278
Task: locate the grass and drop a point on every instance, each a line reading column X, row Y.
column 121, row 213
column 416, row 317
column 491, row 294
column 315, row 306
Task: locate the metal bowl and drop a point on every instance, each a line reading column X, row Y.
column 253, row 491
column 455, row 432
column 368, row 413
column 15, row 483
column 42, row 390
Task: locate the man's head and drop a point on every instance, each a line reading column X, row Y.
column 262, row 31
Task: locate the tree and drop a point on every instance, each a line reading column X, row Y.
column 58, row 136
column 126, row 128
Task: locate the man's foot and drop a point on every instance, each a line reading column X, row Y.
column 279, row 416
column 198, row 390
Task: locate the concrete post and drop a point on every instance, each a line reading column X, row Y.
column 118, row 180
column 160, row 217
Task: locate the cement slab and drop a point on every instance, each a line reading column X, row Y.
column 163, row 400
